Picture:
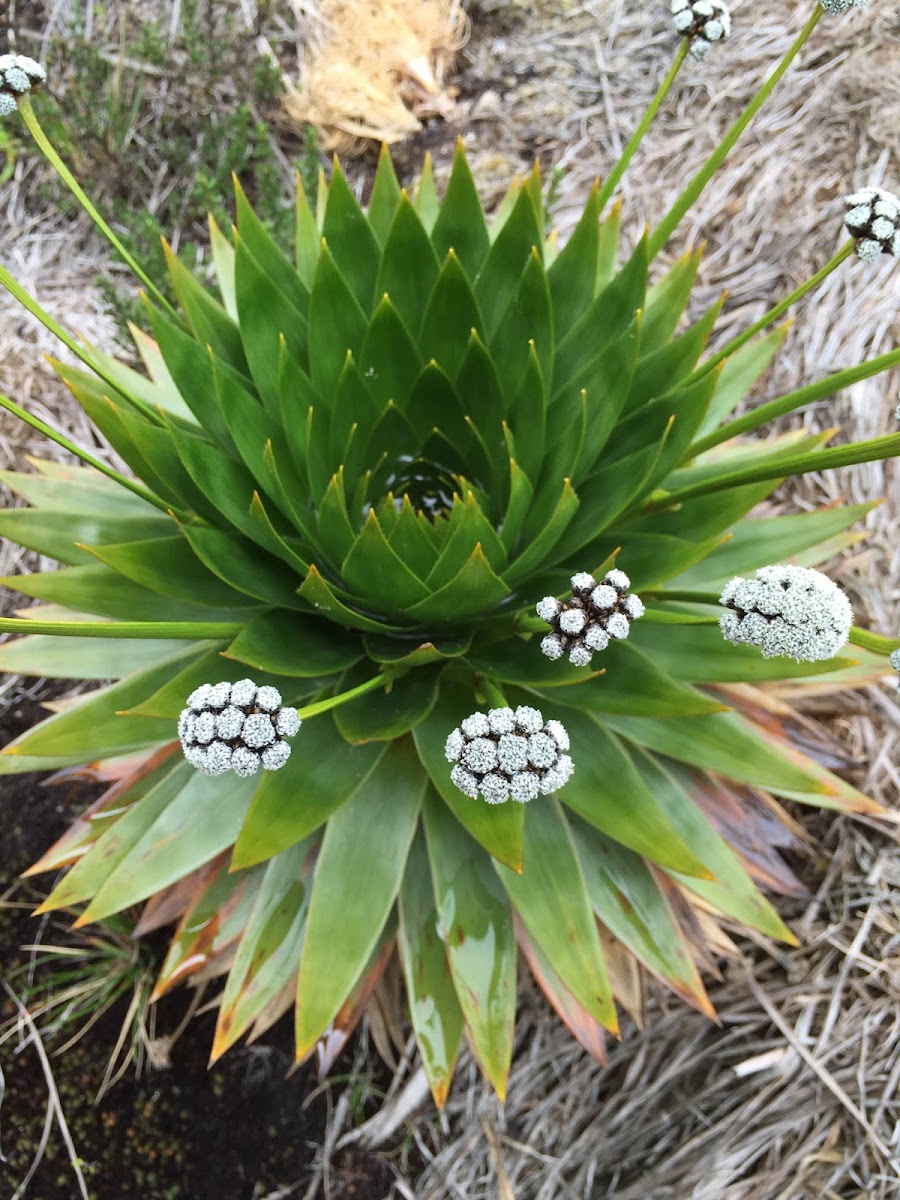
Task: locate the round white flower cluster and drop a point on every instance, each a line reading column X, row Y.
column 836, row 7
column 895, row 660
column 703, row 21
column 236, row 727
column 504, row 754
column 593, row 615
column 18, row 75
column 791, row 611
column 873, row 218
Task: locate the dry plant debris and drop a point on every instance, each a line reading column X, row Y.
column 376, row 69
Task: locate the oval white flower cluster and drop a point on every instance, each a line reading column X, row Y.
column 504, row 754
column 895, row 660
column 18, row 75
column 836, row 7
column 703, row 21
column 590, row 618
column 791, row 611
column 236, row 727
column 873, row 218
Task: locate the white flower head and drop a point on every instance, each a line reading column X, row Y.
column 19, row 75
column 704, row 22
column 593, row 615
column 873, row 219
column 837, row 7
column 787, row 611
column 505, row 755
column 234, row 727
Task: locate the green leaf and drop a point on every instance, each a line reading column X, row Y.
column 269, row 950
column 321, row 774
column 97, row 589
column 427, row 205
column 267, row 316
column 319, row 594
column 266, row 252
column 434, row 1010
column 498, row 279
column 388, row 714
column 223, row 261
column 169, row 566
column 385, row 197
column 704, row 516
column 609, row 315
column 630, row 901
column 609, row 247
column 367, row 839
column 480, row 391
column 607, row 380
column 415, row 652
column 572, row 276
column 191, row 368
column 550, row 898
column 740, row 373
column 409, row 266
column 237, row 562
column 659, row 373
column 541, row 545
column 475, row 921
column 475, row 589
column 528, row 416
column 468, row 527
column 82, row 658
column 389, row 360
column 199, row 823
column 521, row 495
column 112, row 847
column 337, row 323
column 607, row 792
column 634, row 684
column 410, row 541
column 527, row 320
column 63, row 535
column 653, row 558
column 294, row 645
column 64, row 488
column 758, row 541
column 350, row 239
column 209, row 321
column 729, row 888
column 460, row 224
column 374, row 570
column 722, row 742
column 449, row 318
column 307, row 239
column 93, row 729
column 667, row 299
column 705, row 657
column 499, row 828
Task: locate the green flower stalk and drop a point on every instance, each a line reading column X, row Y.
column 375, row 667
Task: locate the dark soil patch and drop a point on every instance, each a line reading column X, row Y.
column 240, row 1131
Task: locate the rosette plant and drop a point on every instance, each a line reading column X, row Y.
column 352, row 474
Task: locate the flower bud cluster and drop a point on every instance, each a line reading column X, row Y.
column 236, row 727
column 703, row 21
column 873, row 218
column 787, row 610
column 836, row 7
column 18, row 76
column 504, row 755
column 592, row 616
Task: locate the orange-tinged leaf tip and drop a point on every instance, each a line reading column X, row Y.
column 439, row 1092
column 84, row 919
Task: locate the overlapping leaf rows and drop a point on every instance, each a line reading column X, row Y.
column 378, row 454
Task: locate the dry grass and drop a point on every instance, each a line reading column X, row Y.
column 793, row 1097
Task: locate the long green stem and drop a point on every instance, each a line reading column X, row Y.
column 61, row 440
column 688, row 597
column 792, row 401
column 873, row 641
column 774, row 313
column 615, row 177
column 384, row 679
column 698, row 184
column 189, row 631
column 873, row 450
column 50, row 153
column 491, row 692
